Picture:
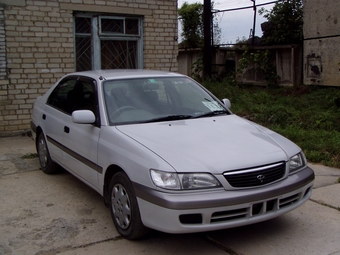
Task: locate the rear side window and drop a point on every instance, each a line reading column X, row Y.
column 61, row 97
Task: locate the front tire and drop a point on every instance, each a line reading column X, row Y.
column 46, row 163
column 124, row 208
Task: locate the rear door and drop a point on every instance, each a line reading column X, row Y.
column 56, row 110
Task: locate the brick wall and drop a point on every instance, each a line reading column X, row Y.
column 4, row 83
column 40, row 47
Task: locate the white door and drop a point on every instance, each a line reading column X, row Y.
column 81, row 140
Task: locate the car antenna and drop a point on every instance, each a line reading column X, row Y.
column 101, row 78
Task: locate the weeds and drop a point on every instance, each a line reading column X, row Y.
column 309, row 116
column 30, row 156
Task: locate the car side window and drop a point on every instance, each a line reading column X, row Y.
column 60, row 97
column 84, row 96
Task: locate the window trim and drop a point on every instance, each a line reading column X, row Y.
column 101, row 33
column 123, row 34
column 97, row 37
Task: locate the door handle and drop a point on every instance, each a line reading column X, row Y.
column 44, row 116
column 66, row 129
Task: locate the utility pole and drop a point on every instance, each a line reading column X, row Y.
column 207, row 38
column 253, row 35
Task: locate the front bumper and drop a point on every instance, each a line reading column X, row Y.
column 220, row 209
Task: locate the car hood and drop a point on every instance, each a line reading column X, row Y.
column 215, row 144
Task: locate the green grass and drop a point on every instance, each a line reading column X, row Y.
column 307, row 115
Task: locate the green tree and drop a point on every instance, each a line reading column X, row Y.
column 285, row 23
column 191, row 18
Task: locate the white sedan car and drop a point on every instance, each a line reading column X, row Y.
column 165, row 153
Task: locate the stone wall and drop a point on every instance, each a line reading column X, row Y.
column 321, row 43
column 38, row 39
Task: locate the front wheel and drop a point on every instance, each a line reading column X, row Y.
column 46, row 163
column 124, row 208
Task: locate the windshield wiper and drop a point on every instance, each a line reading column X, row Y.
column 211, row 114
column 169, row 117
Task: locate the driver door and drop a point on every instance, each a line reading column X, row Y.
column 81, row 140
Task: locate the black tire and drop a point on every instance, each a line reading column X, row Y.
column 46, row 163
column 124, row 208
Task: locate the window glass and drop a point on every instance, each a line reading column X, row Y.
column 112, row 25
column 83, row 25
column 190, row 97
column 60, row 98
column 85, row 97
column 131, row 26
column 118, row 54
column 83, row 53
column 148, row 99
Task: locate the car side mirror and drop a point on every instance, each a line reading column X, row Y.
column 226, row 102
column 83, row 117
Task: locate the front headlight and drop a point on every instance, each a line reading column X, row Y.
column 297, row 162
column 165, row 180
column 183, row 181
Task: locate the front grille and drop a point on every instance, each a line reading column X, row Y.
column 250, row 212
column 253, row 177
column 229, row 215
column 260, row 208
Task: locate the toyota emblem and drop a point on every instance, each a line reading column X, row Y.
column 260, row 177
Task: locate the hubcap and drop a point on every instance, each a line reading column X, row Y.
column 121, row 206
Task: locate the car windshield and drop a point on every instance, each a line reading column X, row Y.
column 146, row 100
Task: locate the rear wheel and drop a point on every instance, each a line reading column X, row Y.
column 46, row 163
column 124, row 208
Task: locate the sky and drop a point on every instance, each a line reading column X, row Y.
column 235, row 24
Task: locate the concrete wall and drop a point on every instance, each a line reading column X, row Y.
column 222, row 62
column 321, row 43
column 37, row 47
column 287, row 60
column 186, row 59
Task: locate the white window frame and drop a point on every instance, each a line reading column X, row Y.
column 97, row 36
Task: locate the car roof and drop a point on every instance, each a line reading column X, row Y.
column 124, row 73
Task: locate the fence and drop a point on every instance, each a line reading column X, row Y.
column 287, row 61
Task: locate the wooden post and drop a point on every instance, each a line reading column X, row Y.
column 207, row 39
